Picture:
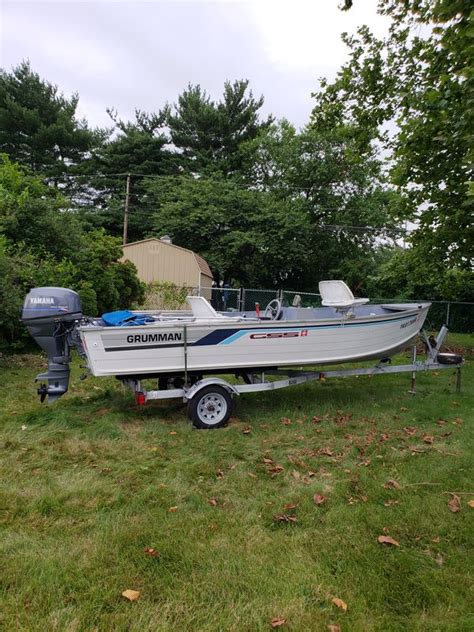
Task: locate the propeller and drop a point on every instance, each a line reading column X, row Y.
column 42, row 392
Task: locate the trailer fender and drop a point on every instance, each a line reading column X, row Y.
column 211, row 381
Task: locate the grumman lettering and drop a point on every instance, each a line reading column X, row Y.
column 280, row 334
column 163, row 337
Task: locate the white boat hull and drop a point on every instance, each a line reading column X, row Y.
column 216, row 345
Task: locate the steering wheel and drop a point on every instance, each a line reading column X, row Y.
column 274, row 310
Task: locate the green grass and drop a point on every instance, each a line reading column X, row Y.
column 87, row 484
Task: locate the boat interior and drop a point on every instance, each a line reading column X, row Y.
column 202, row 310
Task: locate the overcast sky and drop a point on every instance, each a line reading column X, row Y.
column 126, row 54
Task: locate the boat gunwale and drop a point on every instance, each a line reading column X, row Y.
column 243, row 323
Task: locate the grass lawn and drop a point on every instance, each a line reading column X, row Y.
column 89, row 484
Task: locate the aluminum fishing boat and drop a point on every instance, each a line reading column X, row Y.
column 180, row 349
column 205, row 341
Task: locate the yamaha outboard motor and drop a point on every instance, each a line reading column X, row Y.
column 50, row 314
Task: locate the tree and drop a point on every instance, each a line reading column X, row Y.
column 38, row 125
column 139, row 149
column 295, row 215
column 210, row 135
column 412, row 93
column 35, row 214
column 340, row 189
column 248, row 237
column 42, row 243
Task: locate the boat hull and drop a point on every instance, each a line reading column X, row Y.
column 217, row 345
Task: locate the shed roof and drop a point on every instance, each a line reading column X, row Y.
column 202, row 263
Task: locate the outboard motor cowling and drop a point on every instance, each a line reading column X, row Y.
column 50, row 314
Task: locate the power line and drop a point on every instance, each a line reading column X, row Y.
column 245, row 187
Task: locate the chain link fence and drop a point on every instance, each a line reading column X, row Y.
column 300, row 299
column 458, row 316
column 222, row 299
column 262, row 297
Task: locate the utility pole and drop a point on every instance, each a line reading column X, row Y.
column 125, row 214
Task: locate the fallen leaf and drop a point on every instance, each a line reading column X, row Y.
column 428, row 439
column 471, row 503
column 131, row 595
column 276, row 469
column 441, row 422
column 24, row 427
column 151, row 552
column 386, row 539
column 268, row 461
column 284, row 518
column 285, row 421
column 220, row 473
column 317, row 420
column 277, row 622
column 339, row 603
column 403, row 409
column 392, row 483
column 410, row 430
column 296, row 475
column 173, row 432
column 289, row 506
column 252, row 475
column 332, row 627
column 319, row 499
column 325, row 451
column 384, row 437
column 172, row 509
column 389, row 503
column 454, row 504
column 436, row 540
column 342, row 418
column 213, row 502
column 247, row 430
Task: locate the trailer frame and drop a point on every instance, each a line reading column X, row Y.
column 218, row 387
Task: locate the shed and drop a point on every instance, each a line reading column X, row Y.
column 160, row 260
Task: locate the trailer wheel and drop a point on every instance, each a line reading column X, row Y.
column 210, row 407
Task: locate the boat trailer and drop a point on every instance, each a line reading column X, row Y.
column 209, row 400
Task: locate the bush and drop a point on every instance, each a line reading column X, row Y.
column 164, row 295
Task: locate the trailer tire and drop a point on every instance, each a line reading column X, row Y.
column 210, row 408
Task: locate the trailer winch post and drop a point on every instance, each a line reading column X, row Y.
column 412, row 391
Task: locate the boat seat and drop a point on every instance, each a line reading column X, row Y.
column 202, row 308
column 337, row 294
